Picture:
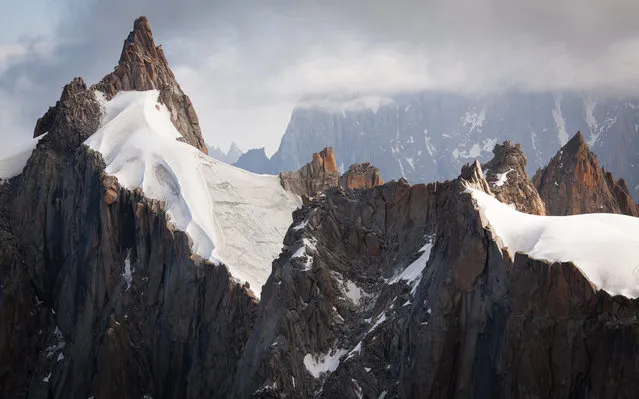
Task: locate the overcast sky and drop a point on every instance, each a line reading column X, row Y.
column 246, row 63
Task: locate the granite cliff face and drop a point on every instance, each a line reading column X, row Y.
column 403, row 291
column 381, row 290
column 574, row 182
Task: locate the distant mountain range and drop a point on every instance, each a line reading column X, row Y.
column 230, row 157
column 428, row 136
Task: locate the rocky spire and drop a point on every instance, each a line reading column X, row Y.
column 143, row 66
column 574, row 182
column 314, row 177
column 509, row 182
column 361, row 175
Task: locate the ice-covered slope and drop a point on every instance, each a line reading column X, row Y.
column 13, row 160
column 604, row 246
column 233, row 216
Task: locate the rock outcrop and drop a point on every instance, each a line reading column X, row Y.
column 574, row 182
column 143, row 66
column 361, row 175
column 314, row 177
column 506, row 175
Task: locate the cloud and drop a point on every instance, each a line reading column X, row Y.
column 246, row 64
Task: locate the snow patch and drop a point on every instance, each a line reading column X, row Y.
column 58, row 345
column 502, row 178
column 489, row 144
column 474, row 152
column 306, row 250
column 591, row 121
column 127, row 274
column 603, row 246
column 474, row 120
column 353, row 292
column 14, row 159
column 413, row 273
column 233, row 216
column 560, row 122
column 317, row 365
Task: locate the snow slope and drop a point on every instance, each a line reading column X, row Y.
column 14, row 159
column 233, row 216
column 603, row 246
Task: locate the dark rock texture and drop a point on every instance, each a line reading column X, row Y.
column 143, row 66
column 506, row 175
column 574, row 182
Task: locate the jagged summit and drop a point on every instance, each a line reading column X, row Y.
column 142, row 67
column 508, row 180
column 142, row 64
column 314, row 177
column 574, row 182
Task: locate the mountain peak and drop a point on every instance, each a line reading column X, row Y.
column 142, row 67
column 234, row 151
column 576, row 143
column 574, row 183
column 506, row 175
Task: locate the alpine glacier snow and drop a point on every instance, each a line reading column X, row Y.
column 234, row 217
column 14, row 159
column 603, row 246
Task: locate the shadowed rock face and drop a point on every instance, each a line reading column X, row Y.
column 143, row 66
column 506, row 175
column 574, row 183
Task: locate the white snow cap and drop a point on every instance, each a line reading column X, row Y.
column 233, row 216
column 14, row 159
column 603, row 246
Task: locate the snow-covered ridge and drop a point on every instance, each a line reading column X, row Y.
column 603, row 246
column 233, row 216
column 14, row 159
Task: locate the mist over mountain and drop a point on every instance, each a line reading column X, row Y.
column 428, row 136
